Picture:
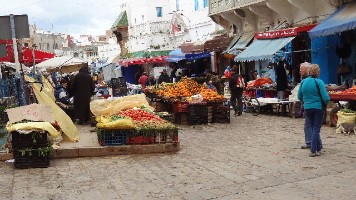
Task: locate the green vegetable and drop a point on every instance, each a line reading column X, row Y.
column 346, row 110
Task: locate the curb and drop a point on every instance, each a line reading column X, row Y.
column 107, row 151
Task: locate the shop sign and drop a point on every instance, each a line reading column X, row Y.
column 291, row 32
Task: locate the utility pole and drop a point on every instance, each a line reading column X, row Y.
column 14, row 42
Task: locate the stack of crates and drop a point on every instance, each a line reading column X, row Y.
column 221, row 114
column 198, row 114
column 31, row 150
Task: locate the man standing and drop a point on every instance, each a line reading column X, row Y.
column 236, row 84
column 163, row 77
column 82, row 88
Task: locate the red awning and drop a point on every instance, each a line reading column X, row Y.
column 140, row 61
column 40, row 56
column 290, row 32
column 25, row 56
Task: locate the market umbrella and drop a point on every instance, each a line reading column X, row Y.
column 65, row 64
column 175, row 56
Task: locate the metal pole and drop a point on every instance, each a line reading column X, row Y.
column 14, row 43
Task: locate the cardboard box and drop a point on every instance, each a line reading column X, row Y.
column 33, row 112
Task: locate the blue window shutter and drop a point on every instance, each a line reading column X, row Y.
column 196, row 4
column 206, row 3
column 177, row 4
column 159, row 11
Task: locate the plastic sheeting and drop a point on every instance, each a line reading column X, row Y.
column 60, row 116
column 112, row 106
column 34, row 125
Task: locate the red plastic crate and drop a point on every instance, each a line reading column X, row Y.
column 180, row 106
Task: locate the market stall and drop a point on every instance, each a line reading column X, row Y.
column 130, row 121
column 189, row 102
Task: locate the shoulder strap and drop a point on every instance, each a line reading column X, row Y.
column 317, row 85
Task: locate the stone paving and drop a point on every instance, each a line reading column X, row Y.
column 251, row 158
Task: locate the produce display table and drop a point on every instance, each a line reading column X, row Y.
column 342, row 97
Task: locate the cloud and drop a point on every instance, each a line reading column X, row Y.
column 73, row 17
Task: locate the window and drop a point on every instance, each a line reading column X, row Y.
column 159, row 11
column 177, row 4
column 206, row 3
column 196, row 5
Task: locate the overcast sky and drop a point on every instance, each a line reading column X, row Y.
column 66, row 16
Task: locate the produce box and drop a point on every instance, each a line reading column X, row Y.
column 34, row 139
column 113, row 137
column 221, row 114
column 32, row 158
column 161, row 106
column 181, row 118
column 180, row 106
column 197, row 114
column 153, row 136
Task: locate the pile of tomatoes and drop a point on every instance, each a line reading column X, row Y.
column 140, row 115
column 347, row 91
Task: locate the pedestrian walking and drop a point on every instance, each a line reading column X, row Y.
column 82, row 88
column 313, row 93
column 236, row 84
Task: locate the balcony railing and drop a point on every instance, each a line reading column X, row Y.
column 219, row 6
column 151, row 28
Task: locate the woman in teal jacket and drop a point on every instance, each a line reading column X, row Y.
column 312, row 92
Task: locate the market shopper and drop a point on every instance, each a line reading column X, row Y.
column 281, row 78
column 61, row 94
column 143, row 80
column 82, row 88
column 236, row 84
column 313, row 93
column 163, row 77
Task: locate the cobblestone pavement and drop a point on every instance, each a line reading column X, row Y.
column 251, row 158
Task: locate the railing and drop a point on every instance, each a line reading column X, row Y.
column 219, row 6
column 151, row 27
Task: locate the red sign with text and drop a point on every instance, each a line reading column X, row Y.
column 290, row 32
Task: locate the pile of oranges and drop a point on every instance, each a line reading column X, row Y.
column 187, row 88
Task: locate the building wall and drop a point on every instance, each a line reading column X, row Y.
column 45, row 40
column 109, row 49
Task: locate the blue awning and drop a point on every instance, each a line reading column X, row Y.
column 262, row 49
column 195, row 56
column 343, row 19
column 241, row 43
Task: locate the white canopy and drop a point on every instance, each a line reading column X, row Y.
column 64, row 64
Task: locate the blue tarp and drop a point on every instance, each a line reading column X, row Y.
column 195, row 56
column 262, row 49
column 343, row 19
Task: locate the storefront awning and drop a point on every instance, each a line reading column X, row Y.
column 241, row 43
column 217, row 43
column 141, row 61
column 190, row 47
column 195, row 56
column 343, row 19
column 175, row 56
column 262, row 49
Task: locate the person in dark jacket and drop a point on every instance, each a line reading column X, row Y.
column 281, row 79
column 164, row 77
column 82, row 88
column 236, row 84
column 61, row 93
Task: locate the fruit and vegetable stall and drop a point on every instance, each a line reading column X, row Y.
column 130, row 120
column 189, row 103
column 344, row 111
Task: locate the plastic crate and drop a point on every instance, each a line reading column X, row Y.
column 33, row 161
column 181, row 118
column 198, row 114
column 34, row 139
column 141, row 137
column 180, row 106
column 113, row 137
column 221, row 114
